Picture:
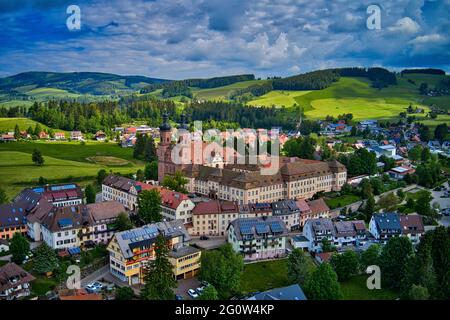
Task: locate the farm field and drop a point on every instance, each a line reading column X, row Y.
column 63, row 162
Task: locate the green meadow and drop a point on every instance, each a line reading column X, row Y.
column 64, row 162
column 278, row 98
column 8, row 124
column 221, row 93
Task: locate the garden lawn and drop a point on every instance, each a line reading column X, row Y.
column 356, row 289
column 266, row 275
column 341, row 201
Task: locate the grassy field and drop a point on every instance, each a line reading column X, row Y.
column 221, row 93
column 356, row 96
column 341, row 201
column 8, row 124
column 44, row 93
column 262, row 276
column 356, row 289
column 278, row 98
column 64, row 162
column 15, row 103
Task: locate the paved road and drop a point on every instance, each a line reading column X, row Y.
column 96, row 275
column 211, row 243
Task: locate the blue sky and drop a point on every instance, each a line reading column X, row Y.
column 177, row 39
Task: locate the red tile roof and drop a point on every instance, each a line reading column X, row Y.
column 318, row 206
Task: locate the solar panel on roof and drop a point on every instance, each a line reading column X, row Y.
column 262, row 228
column 38, row 190
column 64, row 223
column 276, row 227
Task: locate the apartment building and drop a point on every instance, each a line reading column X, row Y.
column 131, row 250
column 75, row 226
column 258, row 238
column 14, row 282
column 312, row 209
column 296, row 179
column 340, row 234
column 213, row 217
column 174, row 205
column 288, row 212
column 61, row 195
column 384, row 226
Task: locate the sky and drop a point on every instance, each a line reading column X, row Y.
column 178, row 39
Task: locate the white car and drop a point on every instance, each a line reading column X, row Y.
column 94, row 287
column 192, row 293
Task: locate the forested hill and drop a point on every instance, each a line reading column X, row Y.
column 94, row 83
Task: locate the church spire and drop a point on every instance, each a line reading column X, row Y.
column 165, row 126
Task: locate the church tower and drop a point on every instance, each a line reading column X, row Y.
column 164, row 162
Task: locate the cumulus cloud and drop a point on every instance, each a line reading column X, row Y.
column 199, row 38
column 405, row 25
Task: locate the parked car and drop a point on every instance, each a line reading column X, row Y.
column 178, row 297
column 204, row 283
column 94, row 287
column 204, row 238
column 200, row 290
column 446, row 212
column 192, row 293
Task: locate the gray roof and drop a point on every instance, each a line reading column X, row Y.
column 292, row 292
column 145, row 236
column 323, row 225
column 388, row 221
column 256, row 228
column 183, row 251
column 284, row 207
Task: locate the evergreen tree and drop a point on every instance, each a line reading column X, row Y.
column 151, row 171
column 149, row 203
column 150, row 150
column 158, row 275
column 19, row 248
column 101, row 175
column 90, row 193
column 16, row 132
column 37, row 129
column 37, row 158
column 298, row 269
column 45, row 259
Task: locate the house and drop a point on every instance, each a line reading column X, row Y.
column 288, row 212
column 61, row 195
column 43, row 135
column 213, row 217
column 292, row 292
column 412, row 227
column 336, row 129
column 176, row 206
column 103, row 216
column 185, row 262
column 7, row 137
column 12, row 220
column 14, row 282
column 60, row 136
column 384, row 226
column 322, row 257
column 400, row 172
column 24, row 135
column 80, row 225
column 312, row 209
column 131, row 250
column 254, row 210
column 100, row 136
column 258, row 238
column 340, row 234
column 300, row 242
column 76, row 135
column 128, row 141
column 4, row 245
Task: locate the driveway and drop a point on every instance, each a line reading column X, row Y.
column 184, row 285
column 211, row 243
column 443, row 202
